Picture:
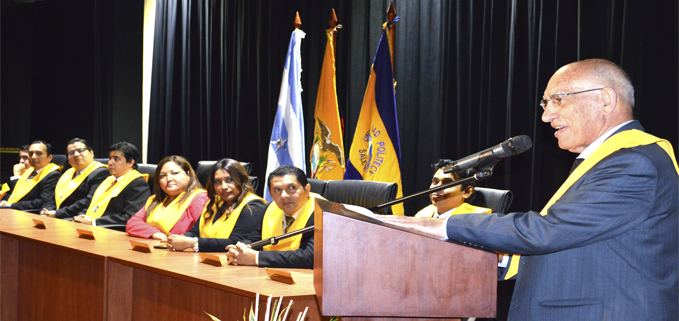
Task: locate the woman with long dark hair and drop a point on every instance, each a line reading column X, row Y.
column 234, row 210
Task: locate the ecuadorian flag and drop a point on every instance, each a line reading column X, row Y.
column 375, row 153
column 286, row 146
column 327, row 152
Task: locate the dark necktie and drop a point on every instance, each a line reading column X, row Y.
column 32, row 175
column 576, row 163
column 288, row 222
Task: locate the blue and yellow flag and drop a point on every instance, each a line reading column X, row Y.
column 375, row 153
column 327, row 151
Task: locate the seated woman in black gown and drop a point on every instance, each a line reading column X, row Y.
column 232, row 212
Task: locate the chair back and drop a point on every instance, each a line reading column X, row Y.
column 317, row 185
column 203, row 171
column 247, row 166
column 362, row 193
column 102, row 160
column 61, row 160
column 497, row 200
column 204, row 167
column 254, row 181
column 150, row 170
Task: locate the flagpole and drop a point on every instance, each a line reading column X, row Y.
column 298, row 21
column 333, row 22
column 391, row 15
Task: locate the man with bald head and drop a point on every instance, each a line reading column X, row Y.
column 605, row 246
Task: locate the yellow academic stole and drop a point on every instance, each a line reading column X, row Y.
column 23, row 186
column 625, row 139
column 67, row 185
column 272, row 225
column 103, row 195
column 223, row 227
column 4, row 189
column 464, row 208
column 165, row 218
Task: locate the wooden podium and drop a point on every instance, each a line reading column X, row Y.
column 367, row 269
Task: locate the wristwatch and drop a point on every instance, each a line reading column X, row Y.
column 195, row 246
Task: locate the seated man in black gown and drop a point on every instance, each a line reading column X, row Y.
column 292, row 209
column 120, row 195
column 75, row 188
column 36, row 185
column 19, row 168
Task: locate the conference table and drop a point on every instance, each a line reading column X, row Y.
column 52, row 273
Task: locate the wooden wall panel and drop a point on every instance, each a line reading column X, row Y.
column 59, row 285
column 119, row 292
column 9, row 278
column 160, row 297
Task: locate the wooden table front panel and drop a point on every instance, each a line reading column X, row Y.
column 136, row 293
column 52, row 274
column 45, row 283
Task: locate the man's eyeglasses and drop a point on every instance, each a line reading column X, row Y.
column 556, row 98
column 79, row 150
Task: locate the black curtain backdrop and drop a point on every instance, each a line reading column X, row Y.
column 469, row 75
column 70, row 69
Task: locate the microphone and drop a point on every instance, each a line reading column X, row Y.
column 488, row 158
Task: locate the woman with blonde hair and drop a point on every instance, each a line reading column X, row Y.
column 177, row 204
column 234, row 210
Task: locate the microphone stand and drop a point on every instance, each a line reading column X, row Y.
column 479, row 176
column 274, row 240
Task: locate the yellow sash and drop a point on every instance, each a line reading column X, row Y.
column 102, row 196
column 164, row 218
column 23, row 186
column 223, row 227
column 464, row 208
column 272, row 225
column 625, row 139
column 66, row 185
column 5, row 188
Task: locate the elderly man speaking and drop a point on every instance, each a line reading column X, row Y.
column 605, row 246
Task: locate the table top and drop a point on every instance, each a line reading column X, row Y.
column 115, row 245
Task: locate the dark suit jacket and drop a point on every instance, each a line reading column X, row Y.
column 302, row 258
column 80, row 199
column 41, row 193
column 126, row 204
column 607, row 250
